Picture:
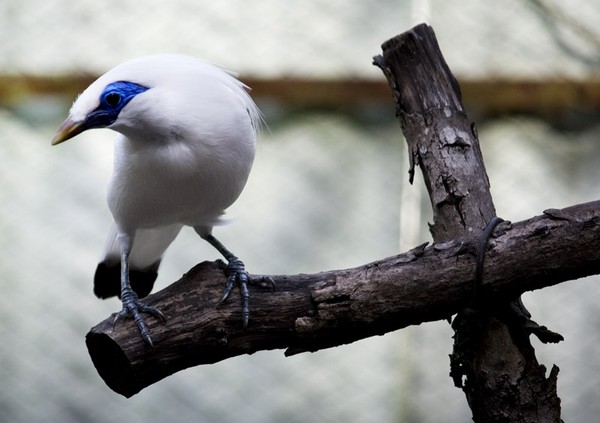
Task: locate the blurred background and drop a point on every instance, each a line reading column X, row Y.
column 329, row 190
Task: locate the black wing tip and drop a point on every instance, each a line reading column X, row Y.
column 107, row 280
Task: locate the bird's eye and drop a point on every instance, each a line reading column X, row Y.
column 112, row 99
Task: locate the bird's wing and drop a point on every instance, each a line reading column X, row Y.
column 148, row 247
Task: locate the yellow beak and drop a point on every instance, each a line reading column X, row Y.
column 68, row 130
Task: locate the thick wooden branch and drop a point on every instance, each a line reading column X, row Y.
column 311, row 312
column 441, row 140
column 493, row 360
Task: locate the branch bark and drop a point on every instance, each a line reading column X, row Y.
column 493, row 360
column 312, row 312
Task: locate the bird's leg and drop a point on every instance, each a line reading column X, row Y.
column 236, row 274
column 132, row 306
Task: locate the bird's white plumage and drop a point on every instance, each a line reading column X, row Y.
column 184, row 149
column 185, row 146
column 148, row 247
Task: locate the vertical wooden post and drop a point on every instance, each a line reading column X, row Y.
column 493, row 360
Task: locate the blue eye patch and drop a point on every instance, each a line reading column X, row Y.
column 115, row 96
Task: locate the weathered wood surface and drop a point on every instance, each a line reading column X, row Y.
column 493, row 360
column 311, row 312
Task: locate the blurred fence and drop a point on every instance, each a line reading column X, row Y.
column 328, row 190
column 317, row 38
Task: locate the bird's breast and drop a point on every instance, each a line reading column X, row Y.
column 177, row 181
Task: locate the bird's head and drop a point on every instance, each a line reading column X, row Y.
column 154, row 97
column 122, row 97
column 93, row 110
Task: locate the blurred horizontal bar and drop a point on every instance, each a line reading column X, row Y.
column 482, row 98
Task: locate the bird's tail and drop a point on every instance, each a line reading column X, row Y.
column 148, row 247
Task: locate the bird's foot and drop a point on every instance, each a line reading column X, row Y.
column 133, row 308
column 236, row 273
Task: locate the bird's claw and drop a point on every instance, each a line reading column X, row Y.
column 133, row 308
column 237, row 275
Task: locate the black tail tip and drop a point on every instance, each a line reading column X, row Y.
column 107, row 280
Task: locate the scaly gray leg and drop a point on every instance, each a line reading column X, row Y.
column 132, row 306
column 236, row 275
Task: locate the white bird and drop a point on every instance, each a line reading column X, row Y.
column 185, row 146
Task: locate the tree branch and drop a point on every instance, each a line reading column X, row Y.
column 493, row 360
column 311, row 312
